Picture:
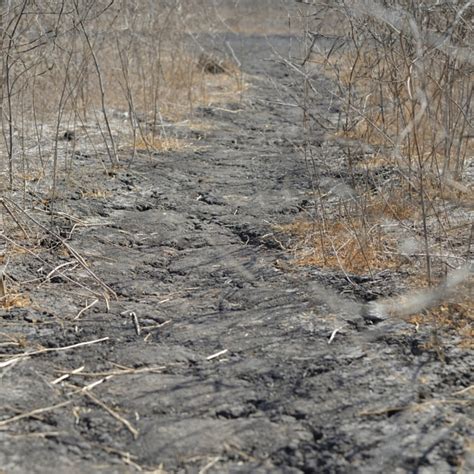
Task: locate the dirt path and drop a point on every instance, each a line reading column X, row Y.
column 234, row 370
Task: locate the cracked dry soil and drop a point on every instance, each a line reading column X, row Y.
column 187, row 241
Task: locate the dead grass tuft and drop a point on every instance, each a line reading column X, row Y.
column 338, row 244
column 15, row 301
column 155, row 143
column 404, row 129
column 355, row 239
column 452, row 317
column 96, row 194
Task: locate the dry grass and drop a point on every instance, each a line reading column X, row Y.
column 96, row 194
column 339, row 244
column 13, row 300
column 355, row 239
column 147, row 71
column 457, row 317
column 154, row 143
column 183, row 86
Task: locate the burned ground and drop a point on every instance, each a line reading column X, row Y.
column 232, row 370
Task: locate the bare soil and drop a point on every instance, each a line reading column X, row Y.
column 232, row 369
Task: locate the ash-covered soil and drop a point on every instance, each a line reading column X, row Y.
column 231, row 370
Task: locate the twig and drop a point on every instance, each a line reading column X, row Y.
column 3, row 287
column 126, row 457
column 32, row 413
column 333, row 334
column 83, row 310
column 114, row 414
column 136, row 323
column 88, row 388
column 464, row 390
column 156, row 326
column 57, row 349
column 209, row 465
column 9, row 362
column 14, row 218
column 113, row 373
column 54, row 270
column 66, row 376
column 217, row 354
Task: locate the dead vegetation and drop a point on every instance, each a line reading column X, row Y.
column 101, row 81
column 119, row 94
column 402, row 92
column 112, row 73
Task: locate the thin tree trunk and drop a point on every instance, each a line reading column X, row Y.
column 2, row 12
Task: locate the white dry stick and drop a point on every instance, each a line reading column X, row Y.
column 464, row 390
column 136, row 323
column 9, row 362
column 83, row 310
column 156, row 326
column 112, row 373
column 54, row 270
column 217, row 354
column 87, row 388
column 92, row 385
column 333, row 334
column 58, row 349
column 209, row 465
column 38, row 411
column 66, row 376
column 114, row 414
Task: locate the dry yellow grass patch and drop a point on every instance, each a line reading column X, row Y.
column 393, row 206
column 454, row 316
column 185, row 84
column 456, row 313
column 354, row 242
column 16, row 249
column 155, row 143
column 219, row 89
column 374, row 162
column 343, row 244
column 96, row 194
column 15, row 301
column 174, row 86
